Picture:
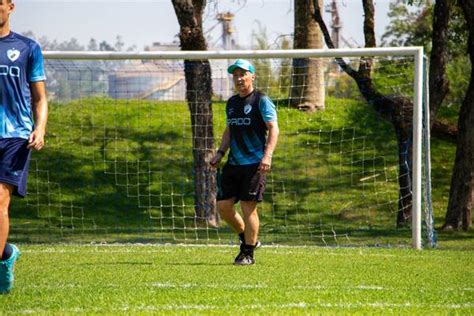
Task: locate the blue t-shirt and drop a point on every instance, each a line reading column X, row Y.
column 246, row 118
column 21, row 63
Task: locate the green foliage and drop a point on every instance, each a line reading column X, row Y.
column 459, row 73
column 457, row 33
column 172, row 280
column 409, row 26
column 413, row 26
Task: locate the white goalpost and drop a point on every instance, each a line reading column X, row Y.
column 120, row 163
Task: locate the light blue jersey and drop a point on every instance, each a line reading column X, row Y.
column 21, row 63
column 246, row 120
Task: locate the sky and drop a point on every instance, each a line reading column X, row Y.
column 143, row 22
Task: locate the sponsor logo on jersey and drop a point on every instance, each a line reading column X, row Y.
column 6, row 70
column 239, row 121
column 247, row 109
column 13, row 54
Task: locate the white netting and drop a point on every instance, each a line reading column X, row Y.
column 118, row 165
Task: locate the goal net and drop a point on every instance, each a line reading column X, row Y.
column 128, row 143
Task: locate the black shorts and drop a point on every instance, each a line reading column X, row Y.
column 244, row 183
column 14, row 163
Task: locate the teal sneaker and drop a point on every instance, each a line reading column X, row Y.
column 6, row 271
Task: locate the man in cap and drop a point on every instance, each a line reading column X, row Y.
column 251, row 134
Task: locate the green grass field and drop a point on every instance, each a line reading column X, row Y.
column 117, row 174
column 174, row 279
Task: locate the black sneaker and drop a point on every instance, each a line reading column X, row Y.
column 240, row 256
column 244, row 259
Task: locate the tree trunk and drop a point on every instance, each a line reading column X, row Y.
column 308, row 88
column 198, row 95
column 438, row 81
column 398, row 110
column 461, row 195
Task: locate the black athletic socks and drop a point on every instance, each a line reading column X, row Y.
column 242, row 238
column 7, row 252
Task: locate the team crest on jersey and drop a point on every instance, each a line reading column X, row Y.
column 247, row 109
column 13, row 54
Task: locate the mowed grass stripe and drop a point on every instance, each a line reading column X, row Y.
column 277, row 308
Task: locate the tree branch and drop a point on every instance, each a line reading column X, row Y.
column 327, row 38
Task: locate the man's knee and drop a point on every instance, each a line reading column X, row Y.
column 3, row 213
column 3, row 210
column 249, row 208
column 225, row 207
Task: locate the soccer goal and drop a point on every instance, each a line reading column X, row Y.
column 130, row 136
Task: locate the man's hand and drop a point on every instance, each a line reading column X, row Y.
column 266, row 164
column 216, row 160
column 36, row 140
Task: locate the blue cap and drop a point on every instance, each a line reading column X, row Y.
column 243, row 64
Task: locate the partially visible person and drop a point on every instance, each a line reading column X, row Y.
column 251, row 134
column 23, row 116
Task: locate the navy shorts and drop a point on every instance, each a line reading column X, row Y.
column 14, row 163
column 244, row 183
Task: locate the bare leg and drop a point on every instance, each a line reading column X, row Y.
column 251, row 220
column 5, row 196
column 228, row 213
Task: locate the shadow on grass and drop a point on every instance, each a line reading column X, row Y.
column 102, row 263
column 179, row 263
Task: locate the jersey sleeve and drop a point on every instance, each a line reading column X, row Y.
column 36, row 65
column 268, row 109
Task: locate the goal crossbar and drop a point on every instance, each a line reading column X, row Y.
column 284, row 53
